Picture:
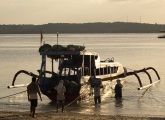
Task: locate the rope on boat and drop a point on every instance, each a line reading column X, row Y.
column 13, row 94
column 145, row 92
column 75, row 99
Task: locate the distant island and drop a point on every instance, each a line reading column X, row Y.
column 98, row 27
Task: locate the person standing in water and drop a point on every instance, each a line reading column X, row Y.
column 118, row 90
column 60, row 88
column 32, row 91
column 97, row 86
column 97, row 96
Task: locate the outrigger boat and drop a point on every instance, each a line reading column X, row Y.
column 75, row 66
column 162, row 35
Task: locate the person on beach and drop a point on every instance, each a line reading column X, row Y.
column 60, row 88
column 32, row 91
column 118, row 90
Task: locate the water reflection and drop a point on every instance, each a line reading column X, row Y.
column 122, row 46
column 118, row 103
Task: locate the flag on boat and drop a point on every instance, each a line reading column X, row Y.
column 41, row 37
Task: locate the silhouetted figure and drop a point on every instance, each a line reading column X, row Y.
column 97, row 96
column 32, row 91
column 118, row 90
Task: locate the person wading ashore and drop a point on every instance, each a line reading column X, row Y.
column 32, row 91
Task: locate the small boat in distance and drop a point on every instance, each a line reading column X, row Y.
column 162, row 34
column 80, row 70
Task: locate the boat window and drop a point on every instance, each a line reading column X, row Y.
column 106, row 70
column 64, row 71
column 115, row 69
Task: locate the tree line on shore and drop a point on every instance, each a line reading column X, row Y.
column 99, row 27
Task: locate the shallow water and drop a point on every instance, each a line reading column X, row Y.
column 134, row 51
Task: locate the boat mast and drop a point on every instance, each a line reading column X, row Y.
column 57, row 38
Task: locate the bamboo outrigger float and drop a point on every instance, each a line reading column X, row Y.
column 75, row 66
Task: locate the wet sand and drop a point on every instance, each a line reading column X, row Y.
column 69, row 116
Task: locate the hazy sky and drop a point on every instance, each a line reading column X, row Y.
column 81, row 11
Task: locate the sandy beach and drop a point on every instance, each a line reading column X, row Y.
column 4, row 115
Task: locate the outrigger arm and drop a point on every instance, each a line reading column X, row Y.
column 28, row 73
column 125, row 74
column 25, row 72
column 15, row 76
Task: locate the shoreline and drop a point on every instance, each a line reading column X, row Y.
column 52, row 115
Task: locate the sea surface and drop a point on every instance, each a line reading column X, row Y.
column 134, row 51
